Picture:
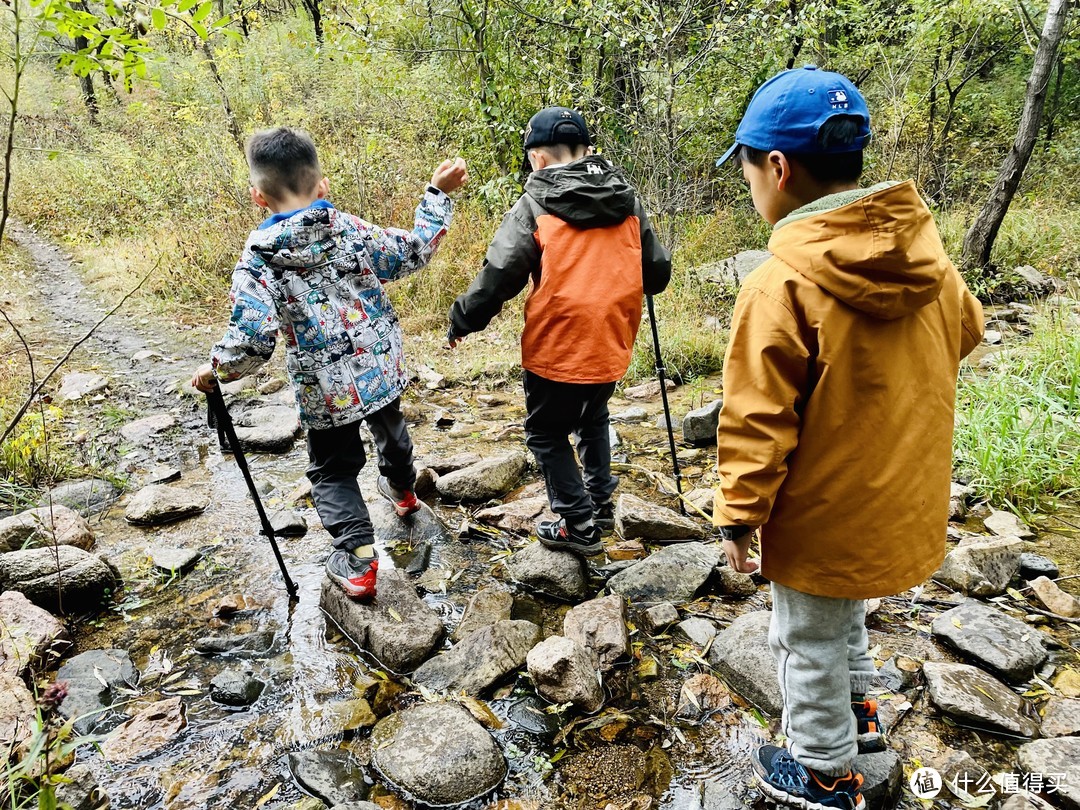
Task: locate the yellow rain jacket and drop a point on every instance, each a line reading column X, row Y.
column 839, row 387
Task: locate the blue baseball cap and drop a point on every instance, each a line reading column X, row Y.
column 788, row 110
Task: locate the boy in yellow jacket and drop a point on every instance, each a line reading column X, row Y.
column 835, row 437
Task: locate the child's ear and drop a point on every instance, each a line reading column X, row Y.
column 324, row 189
column 258, row 198
column 779, row 169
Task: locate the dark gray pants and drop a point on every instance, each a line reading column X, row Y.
column 554, row 410
column 336, row 456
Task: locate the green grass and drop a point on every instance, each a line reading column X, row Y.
column 1018, row 425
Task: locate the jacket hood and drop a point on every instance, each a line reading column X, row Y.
column 302, row 238
column 880, row 254
column 588, row 193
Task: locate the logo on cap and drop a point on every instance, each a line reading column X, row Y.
column 838, row 100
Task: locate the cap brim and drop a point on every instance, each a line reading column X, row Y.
column 727, row 155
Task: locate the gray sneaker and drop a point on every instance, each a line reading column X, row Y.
column 354, row 575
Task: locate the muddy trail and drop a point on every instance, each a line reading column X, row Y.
column 669, row 736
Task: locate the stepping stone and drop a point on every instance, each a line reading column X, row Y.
column 45, row 526
column 637, row 518
column 269, row 429
column 599, row 626
column 1007, row 646
column 741, row 655
column 971, row 696
column 29, row 635
column 565, row 672
column 480, row 660
column 142, row 430
column 1059, row 757
column 287, row 523
column 174, row 560
column 333, row 777
column 77, row 385
column 491, row 478
column 699, row 426
column 87, row 496
column 672, row 574
column 559, row 574
column 982, row 568
column 156, row 504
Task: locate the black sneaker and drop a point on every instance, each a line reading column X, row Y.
column 604, row 517
column 555, row 534
column 354, row 575
column 867, row 726
column 782, row 779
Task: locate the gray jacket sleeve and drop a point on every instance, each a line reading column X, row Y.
column 512, row 258
column 655, row 258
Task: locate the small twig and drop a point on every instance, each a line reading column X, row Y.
column 37, row 389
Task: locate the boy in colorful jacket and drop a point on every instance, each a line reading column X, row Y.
column 835, row 436
column 581, row 235
column 316, row 274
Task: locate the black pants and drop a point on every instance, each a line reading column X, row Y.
column 554, row 410
column 336, row 456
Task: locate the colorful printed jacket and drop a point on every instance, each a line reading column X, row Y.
column 317, row 275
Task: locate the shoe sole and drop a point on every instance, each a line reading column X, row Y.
column 573, row 548
column 352, row 593
column 606, row 527
column 782, row 797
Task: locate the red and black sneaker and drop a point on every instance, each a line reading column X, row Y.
column 867, row 726
column 354, row 575
column 404, row 501
column 555, row 534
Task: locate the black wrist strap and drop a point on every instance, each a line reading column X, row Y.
column 735, row 532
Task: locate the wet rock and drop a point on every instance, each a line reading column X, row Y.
column 356, row 806
column 174, row 560
column 163, row 474
column 1025, row 800
column 699, row 426
column 741, row 656
column 563, row 671
column 658, row 617
column 87, row 496
column 18, row 712
column 982, row 568
column 486, row 607
column 44, row 527
column 700, row 695
column 701, row 498
column 88, row 697
column 958, row 499
column 900, row 673
column 1061, row 717
column 29, row 636
column 80, row 790
column 164, row 503
column 633, row 414
column 636, row 518
column 883, row 777
column 480, row 660
column 61, row 580
column 518, row 516
column 432, row 380
column 623, row 550
column 437, row 753
column 230, row 605
column 400, row 639
column 992, row 337
column 648, row 390
column 484, row 480
column 1037, row 283
column 334, row 777
column 142, row 430
column 287, row 523
column 614, row 440
column 556, row 573
column 1060, row 756
column 148, row 731
column 78, row 384
column 1068, row 683
column 1033, row 566
column 236, row 688
column 971, row 696
column 250, row 643
column 672, row 574
column 1006, row 524
column 961, row 774
column 456, row 462
column 1005, row 645
column 735, row 584
column 1054, row 599
column 599, row 626
column 270, row 429
column 351, row 715
column 300, row 494
column 733, row 271
column 700, row 631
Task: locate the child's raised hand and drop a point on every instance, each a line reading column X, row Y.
column 450, row 176
column 203, row 379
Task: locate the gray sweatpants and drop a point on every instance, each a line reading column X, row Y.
column 820, row 644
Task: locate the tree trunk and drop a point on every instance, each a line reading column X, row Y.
column 230, row 116
column 316, row 18
column 1055, row 105
column 18, row 61
column 984, row 230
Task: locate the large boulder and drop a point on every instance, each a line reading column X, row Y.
column 45, row 526
column 672, row 574
column 88, row 496
column 599, row 626
column 982, row 568
column 269, row 429
column 29, row 636
column 699, row 425
column 742, row 657
column 97, row 680
column 1059, row 757
column 397, row 627
column 486, row 606
column 164, row 503
column 556, row 573
column 1005, row 645
column 18, row 712
column 438, row 754
column 61, row 580
column 491, row 478
column 416, row 530
column 565, row 672
column 480, row 660
column 635, row 518
column 971, row 696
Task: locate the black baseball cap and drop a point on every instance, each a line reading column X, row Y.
column 552, row 126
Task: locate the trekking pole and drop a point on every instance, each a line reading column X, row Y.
column 218, row 417
column 661, row 374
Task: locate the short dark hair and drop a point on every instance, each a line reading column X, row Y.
column 839, row 167
column 283, row 160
